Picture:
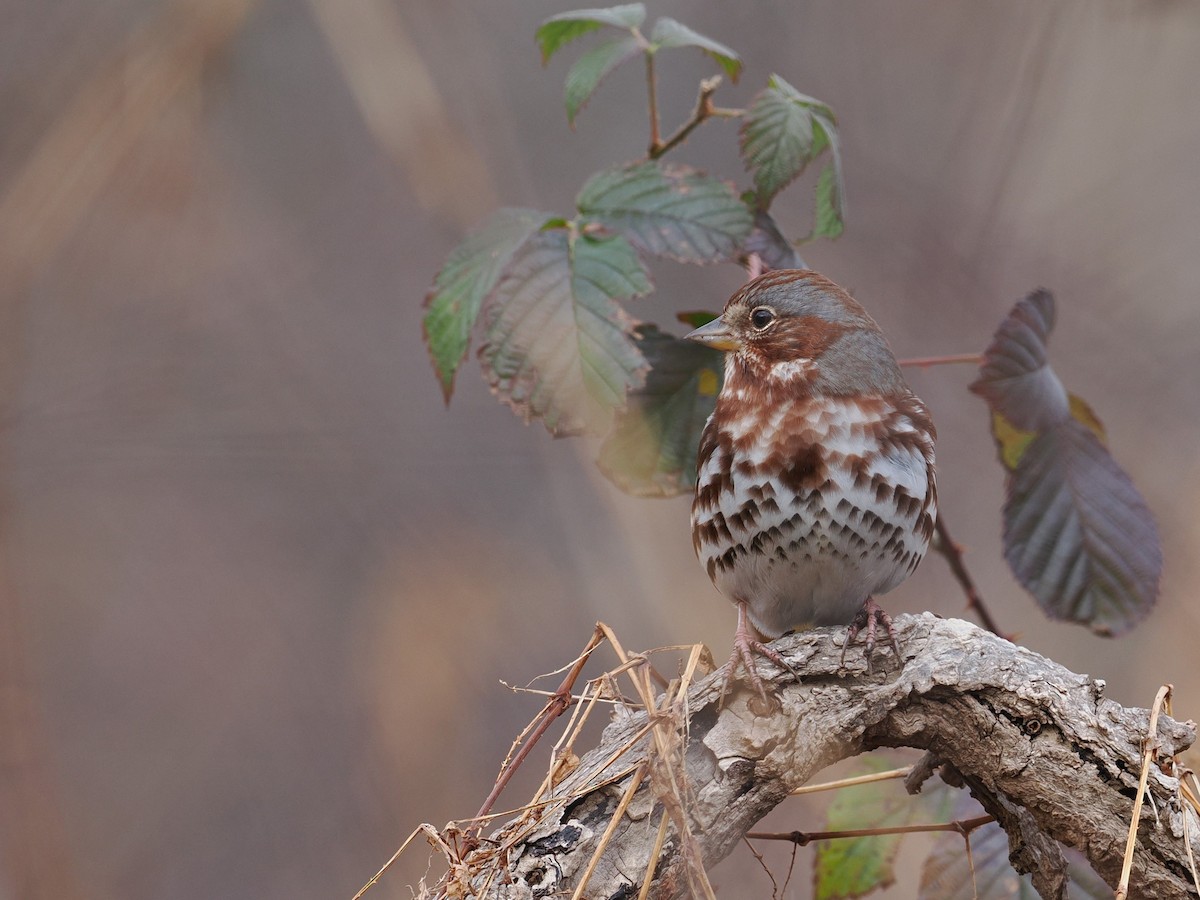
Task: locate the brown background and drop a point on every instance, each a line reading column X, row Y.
column 259, row 586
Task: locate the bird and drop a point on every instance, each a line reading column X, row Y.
column 815, row 486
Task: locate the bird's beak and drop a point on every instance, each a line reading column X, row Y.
column 716, row 334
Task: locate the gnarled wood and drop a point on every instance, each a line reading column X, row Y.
column 1039, row 745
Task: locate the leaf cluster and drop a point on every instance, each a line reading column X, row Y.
column 547, row 296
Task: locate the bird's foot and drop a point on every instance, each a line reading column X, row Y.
column 869, row 618
column 746, row 645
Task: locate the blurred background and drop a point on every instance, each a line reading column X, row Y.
column 258, row 587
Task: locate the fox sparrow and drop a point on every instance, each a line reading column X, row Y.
column 815, row 486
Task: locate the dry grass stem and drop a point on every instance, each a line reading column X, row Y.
column 849, row 782
column 1150, row 745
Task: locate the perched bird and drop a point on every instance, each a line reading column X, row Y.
column 815, row 486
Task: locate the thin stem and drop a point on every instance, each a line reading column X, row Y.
column 801, row 838
column 924, row 362
column 704, row 110
column 617, row 816
column 762, row 862
column 1149, row 748
column 754, row 266
column 850, row 782
column 555, row 707
column 652, row 91
column 954, row 557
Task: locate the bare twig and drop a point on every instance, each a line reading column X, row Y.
column 803, row 838
column 762, row 862
column 554, row 708
column 754, row 266
column 387, row 865
column 954, row 557
column 705, row 109
column 924, row 362
column 652, row 101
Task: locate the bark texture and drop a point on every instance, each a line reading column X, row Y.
column 1040, row 746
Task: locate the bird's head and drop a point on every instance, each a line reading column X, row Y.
column 795, row 327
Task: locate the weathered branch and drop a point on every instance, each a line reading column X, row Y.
column 1040, row 746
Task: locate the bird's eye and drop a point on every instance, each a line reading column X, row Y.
column 762, row 317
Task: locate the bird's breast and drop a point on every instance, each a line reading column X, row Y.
column 805, row 507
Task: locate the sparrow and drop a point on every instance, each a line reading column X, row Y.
column 815, row 474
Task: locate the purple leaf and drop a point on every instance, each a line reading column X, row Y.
column 1077, row 534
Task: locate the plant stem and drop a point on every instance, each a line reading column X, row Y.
column 801, row 838
column 555, row 707
column 954, row 557
column 704, row 110
column 850, row 782
column 924, row 362
column 652, row 91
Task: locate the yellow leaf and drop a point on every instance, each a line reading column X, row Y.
column 1011, row 440
column 1081, row 412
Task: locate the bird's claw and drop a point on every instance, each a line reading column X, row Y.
column 869, row 617
column 745, row 646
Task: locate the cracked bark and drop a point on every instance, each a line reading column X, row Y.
column 1040, row 746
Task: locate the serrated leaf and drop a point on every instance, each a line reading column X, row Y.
column 668, row 210
column 829, row 222
column 781, row 135
column 774, row 250
column 947, row 871
column 1077, row 534
column 668, row 33
column 651, row 451
column 851, row 867
column 592, row 67
column 1012, row 442
column 556, row 345
column 558, row 31
column 470, row 272
column 1016, row 378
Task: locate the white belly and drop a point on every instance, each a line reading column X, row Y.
column 811, row 552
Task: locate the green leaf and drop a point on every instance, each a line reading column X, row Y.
column 949, row 874
column 1077, row 534
column 852, row 867
column 829, row 222
column 651, row 451
column 558, row 31
column 556, row 345
column 668, row 33
column 669, row 210
column 782, row 133
column 591, row 68
column 470, row 272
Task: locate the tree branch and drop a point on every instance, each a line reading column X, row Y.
column 1039, row 746
column 705, row 109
